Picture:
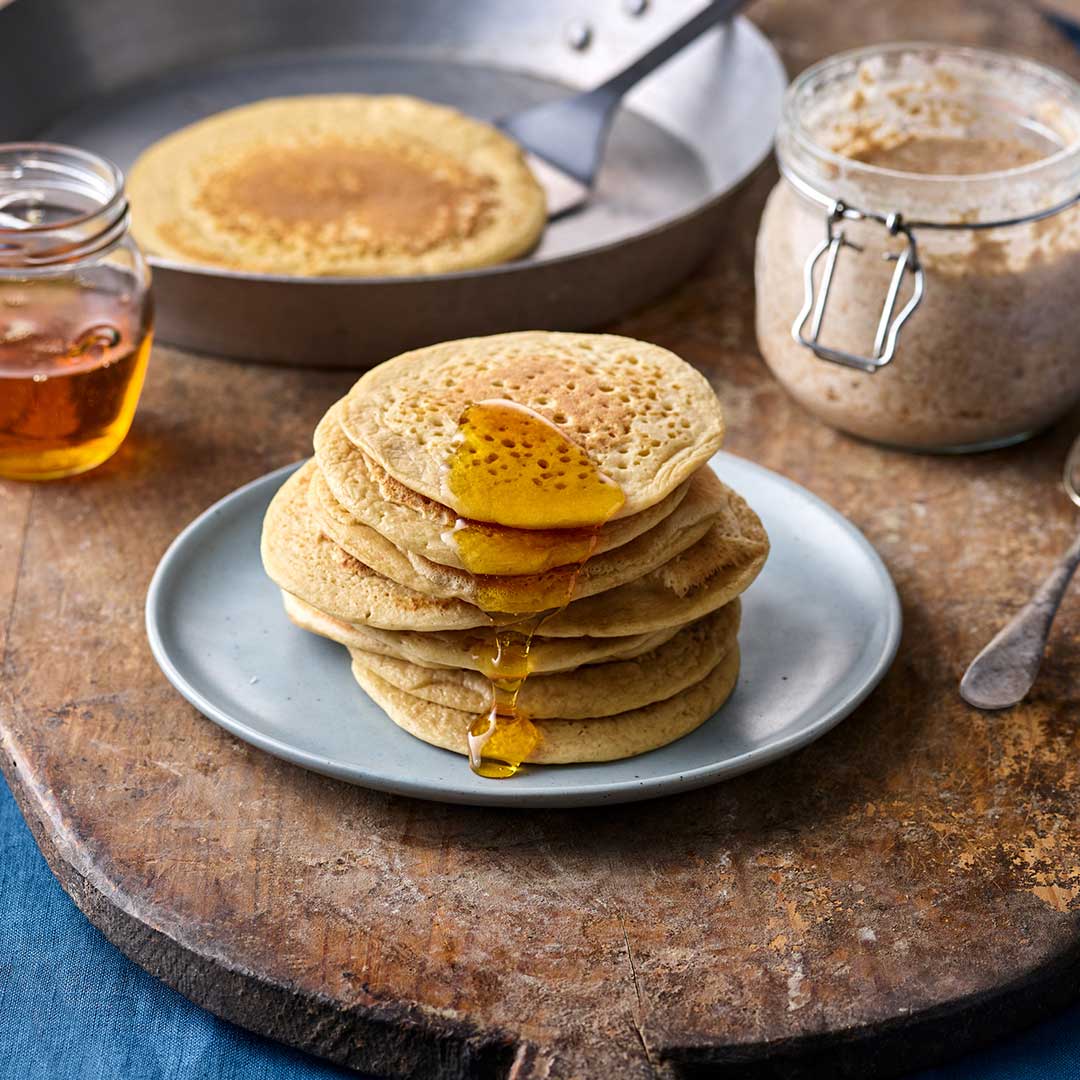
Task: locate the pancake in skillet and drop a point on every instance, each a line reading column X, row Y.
column 342, row 184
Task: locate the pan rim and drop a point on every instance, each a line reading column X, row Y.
column 517, row 266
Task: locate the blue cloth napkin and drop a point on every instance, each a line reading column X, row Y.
column 73, row 1008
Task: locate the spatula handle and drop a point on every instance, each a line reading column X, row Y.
column 619, row 84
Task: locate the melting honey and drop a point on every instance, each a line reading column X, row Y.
column 513, row 464
column 492, row 549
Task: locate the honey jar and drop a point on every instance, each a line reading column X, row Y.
column 75, row 311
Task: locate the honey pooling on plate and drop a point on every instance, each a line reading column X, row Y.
column 513, row 465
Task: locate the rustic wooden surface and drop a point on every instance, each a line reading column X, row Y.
column 902, row 889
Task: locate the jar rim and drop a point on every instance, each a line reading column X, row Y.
column 92, row 165
column 790, row 120
column 85, row 191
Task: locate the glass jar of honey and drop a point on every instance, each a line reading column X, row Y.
column 75, row 312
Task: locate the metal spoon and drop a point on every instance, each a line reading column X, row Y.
column 1003, row 673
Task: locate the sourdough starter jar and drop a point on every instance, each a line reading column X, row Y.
column 894, row 153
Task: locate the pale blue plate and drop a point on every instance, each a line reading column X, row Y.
column 820, row 628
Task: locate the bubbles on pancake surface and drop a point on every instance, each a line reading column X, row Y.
column 644, row 418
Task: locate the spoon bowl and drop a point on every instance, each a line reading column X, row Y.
column 1003, row 673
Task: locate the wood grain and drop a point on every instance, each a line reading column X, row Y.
column 899, row 891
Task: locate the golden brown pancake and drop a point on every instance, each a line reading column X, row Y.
column 418, row 525
column 304, row 562
column 641, row 416
column 602, row 689
column 463, row 649
column 341, row 184
column 683, row 528
column 563, row 742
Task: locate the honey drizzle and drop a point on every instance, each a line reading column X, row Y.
column 512, row 462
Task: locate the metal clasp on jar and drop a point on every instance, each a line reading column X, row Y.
column 815, row 298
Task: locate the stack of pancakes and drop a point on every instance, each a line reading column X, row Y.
column 365, row 541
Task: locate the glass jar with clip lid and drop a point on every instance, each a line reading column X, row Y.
column 918, row 263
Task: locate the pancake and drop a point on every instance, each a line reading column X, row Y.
column 695, row 515
column 638, row 414
column 341, row 184
column 418, row 525
column 303, row 561
column 565, row 741
column 592, row 691
column 460, row 648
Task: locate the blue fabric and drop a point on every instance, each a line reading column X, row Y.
column 73, row 1008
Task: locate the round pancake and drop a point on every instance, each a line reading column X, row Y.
column 694, row 516
column 414, row 523
column 304, row 562
column 644, row 418
column 566, row 741
column 458, row 649
column 337, row 184
column 592, row 691
column 300, row 559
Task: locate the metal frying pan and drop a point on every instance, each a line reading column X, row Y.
column 115, row 75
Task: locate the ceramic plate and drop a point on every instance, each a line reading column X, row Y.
column 820, row 627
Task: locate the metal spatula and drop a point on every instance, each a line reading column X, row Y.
column 564, row 140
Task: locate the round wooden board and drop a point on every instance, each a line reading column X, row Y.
column 891, row 895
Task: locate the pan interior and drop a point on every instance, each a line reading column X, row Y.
column 649, row 174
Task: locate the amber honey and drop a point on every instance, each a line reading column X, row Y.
column 72, row 362
column 513, row 464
